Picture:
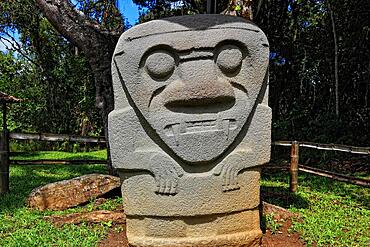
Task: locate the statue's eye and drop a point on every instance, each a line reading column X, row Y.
column 160, row 64
column 229, row 59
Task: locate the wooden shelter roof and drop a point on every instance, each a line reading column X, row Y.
column 4, row 98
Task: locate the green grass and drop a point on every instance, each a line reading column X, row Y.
column 20, row 226
column 95, row 155
column 332, row 213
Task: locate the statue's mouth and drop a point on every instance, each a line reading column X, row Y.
column 201, row 132
column 217, row 126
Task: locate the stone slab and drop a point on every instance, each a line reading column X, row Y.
column 72, row 192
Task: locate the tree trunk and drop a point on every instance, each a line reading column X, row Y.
column 96, row 42
column 335, row 61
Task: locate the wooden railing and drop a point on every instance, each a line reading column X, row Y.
column 332, row 147
column 295, row 167
column 5, row 160
column 55, row 137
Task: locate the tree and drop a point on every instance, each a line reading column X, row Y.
column 307, row 82
column 96, row 37
column 47, row 72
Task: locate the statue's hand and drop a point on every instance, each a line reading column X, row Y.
column 229, row 168
column 166, row 174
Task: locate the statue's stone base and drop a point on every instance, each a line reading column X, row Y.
column 247, row 239
column 232, row 230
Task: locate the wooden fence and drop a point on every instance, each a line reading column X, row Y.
column 294, row 154
column 55, row 137
column 5, row 160
column 295, row 167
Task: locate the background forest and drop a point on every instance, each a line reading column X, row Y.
column 319, row 65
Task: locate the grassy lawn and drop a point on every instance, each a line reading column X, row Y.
column 332, row 213
column 50, row 155
column 20, row 226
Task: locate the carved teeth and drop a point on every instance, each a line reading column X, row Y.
column 176, row 133
column 226, row 127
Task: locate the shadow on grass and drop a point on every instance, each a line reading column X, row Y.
column 280, row 195
column 23, row 179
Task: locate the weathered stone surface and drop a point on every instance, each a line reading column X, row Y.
column 69, row 193
column 117, row 217
column 190, row 128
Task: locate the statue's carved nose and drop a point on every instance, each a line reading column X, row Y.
column 189, row 94
column 198, row 85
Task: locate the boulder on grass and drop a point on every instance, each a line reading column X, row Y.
column 69, row 193
column 116, row 217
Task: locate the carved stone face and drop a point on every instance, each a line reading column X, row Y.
column 194, row 81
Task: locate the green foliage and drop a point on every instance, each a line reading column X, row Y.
column 48, row 72
column 272, row 224
column 104, row 12
column 55, row 77
column 152, row 10
column 302, row 83
column 62, row 104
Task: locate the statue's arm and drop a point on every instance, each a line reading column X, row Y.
column 165, row 170
column 132, row 149
column 229, row 168
column 253, row 151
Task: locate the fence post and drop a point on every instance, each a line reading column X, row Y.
column 4, row 156
column 294, row 159
column 4, row 162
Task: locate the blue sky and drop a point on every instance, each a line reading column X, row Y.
column 5, row 42
column 129, row 10
column 2, row 47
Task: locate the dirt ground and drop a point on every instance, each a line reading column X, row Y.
column 282, row 238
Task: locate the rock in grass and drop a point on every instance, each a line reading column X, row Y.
column 117, row 217
column 69, row 193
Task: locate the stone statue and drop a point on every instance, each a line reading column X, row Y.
column 190, row 130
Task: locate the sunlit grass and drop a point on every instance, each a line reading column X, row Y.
column 20, row 226
column 53, row 155
column 332, row 213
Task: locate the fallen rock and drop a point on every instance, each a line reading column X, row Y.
column 278, row 212
column 69, row 193
column 116, row 217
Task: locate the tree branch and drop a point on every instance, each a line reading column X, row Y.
column 73, row 24
column 14, row 46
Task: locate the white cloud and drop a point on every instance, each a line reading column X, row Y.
column 7, row 42
column 3, row 45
